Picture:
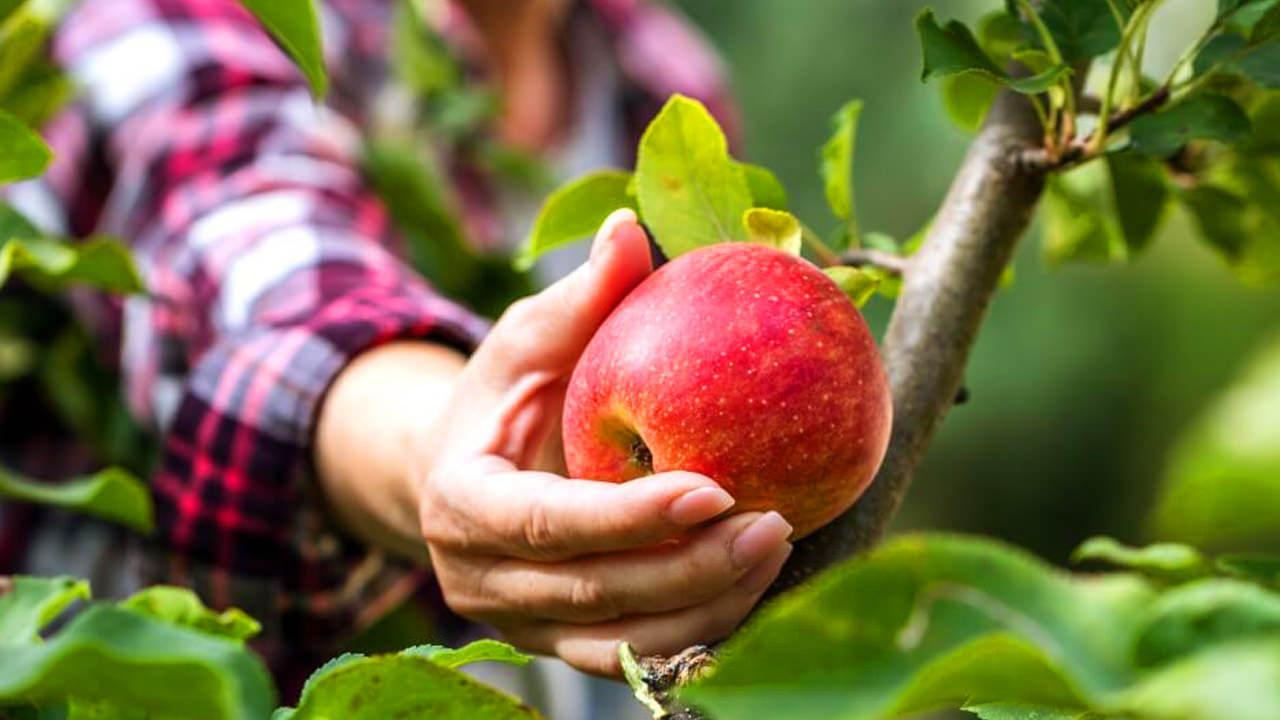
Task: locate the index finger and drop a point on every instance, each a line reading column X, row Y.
column 491, row 508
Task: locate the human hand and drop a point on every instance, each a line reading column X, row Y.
column 572, row 567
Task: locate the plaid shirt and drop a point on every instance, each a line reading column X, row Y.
column 269, row 265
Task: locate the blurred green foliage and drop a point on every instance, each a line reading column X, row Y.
column 1084, row 375
column 1223, row 488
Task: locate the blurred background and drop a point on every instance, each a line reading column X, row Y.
column 1084, row 375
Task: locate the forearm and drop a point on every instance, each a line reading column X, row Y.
column 373, row 439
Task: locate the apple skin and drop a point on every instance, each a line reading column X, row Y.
column 742, row 363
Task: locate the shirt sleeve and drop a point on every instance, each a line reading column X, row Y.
column 268, row 262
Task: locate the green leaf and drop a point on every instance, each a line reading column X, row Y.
column 23, row 154
column 1256, row 567
column 125, row 662
column 30, row 604
column 182, row 607
column 1205, row 613
column 1239, row 681
column 296, row 26
column 41, row 92
column 401, row 685
column 1221, row 50
column 1001, row 34
column 1105, row 212
column 1234, row 54
column 112, row 494
column 575, row 211
column 14, row 224
column 1267, row 27
column 23, row 37
column 1237, row 209
column 1222, row 218
column 1262, row 64
column 1004, row 711
column 420, row 200
column 54, row 264
column 929, row 622
column 478, row 651
column 1081, row 222
column 1040, row 82
column 1265, row 116
column 952, row 49
column 1167, row 561
column 1141, row 196
column 1222, row 489
column 1202, row 117
column 330, row 665
column 775, row 228
column 766, row 190
column 7, row 7
column 419, row 57
column 967, row 97
column 837, row 162
column 882, row 241
column 691, row 193
column 1082, row 29
column 859, row 285
column 1234, row 9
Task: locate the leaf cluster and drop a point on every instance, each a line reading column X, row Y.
column 1201, row 139
column 929, row 622
column 31, row 91
column 161, row 654
column 690, row 193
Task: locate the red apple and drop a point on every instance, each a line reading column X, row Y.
column 745, row 364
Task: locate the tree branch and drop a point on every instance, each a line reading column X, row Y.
column 944, row 299
column 1084, row 150
column 862, row 257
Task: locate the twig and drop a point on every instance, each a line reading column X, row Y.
column 1153, row 102
column 863, row 257
column 1090, row 104
column 1038, row 159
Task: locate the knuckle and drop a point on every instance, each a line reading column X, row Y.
column 466, row 591
column 437, row 523
column 538, row 532
column 588, row 596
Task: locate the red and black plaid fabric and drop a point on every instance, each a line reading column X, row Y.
column 269, row 264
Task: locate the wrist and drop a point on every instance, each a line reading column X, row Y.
column 373, row 436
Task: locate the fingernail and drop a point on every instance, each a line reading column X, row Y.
column 762, row 575
column 760, row 538
column 699, row 505
column 607, row 228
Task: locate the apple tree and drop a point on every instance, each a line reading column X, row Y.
column 1070, row 124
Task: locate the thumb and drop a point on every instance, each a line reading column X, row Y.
column 549, row 330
